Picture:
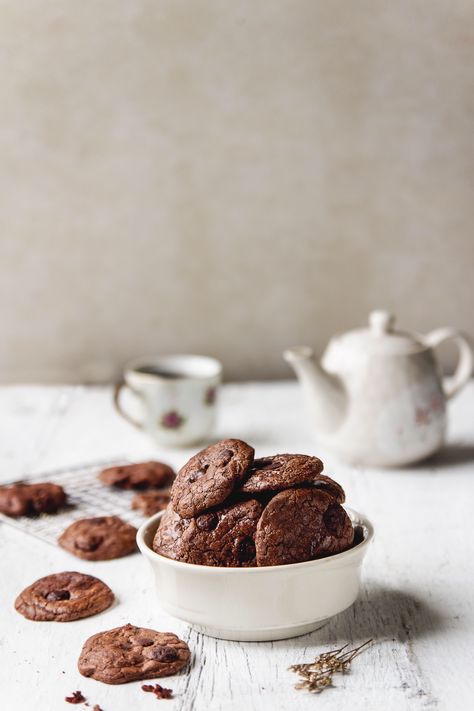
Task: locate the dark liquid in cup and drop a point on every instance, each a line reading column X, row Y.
column 160, row 373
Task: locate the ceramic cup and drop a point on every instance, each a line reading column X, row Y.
column 176, row 397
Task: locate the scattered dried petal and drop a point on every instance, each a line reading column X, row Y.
column 159, row 691
column 75, row 698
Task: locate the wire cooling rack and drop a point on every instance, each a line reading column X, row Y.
column 87, row 496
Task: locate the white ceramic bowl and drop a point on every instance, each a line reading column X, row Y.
column 257, row 604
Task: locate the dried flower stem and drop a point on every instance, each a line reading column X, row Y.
column 317, row 676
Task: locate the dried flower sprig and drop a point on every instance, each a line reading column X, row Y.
column 317, row 676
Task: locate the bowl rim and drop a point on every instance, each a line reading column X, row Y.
column 356, row 551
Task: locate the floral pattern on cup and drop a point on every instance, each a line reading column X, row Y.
column 210, row 396
column 172, row 420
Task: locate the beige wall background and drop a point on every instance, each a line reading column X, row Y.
column 229, row 177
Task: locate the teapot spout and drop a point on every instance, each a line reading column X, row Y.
column 324, row 393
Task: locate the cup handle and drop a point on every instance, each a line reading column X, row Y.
column 118, row 407
column 454, row 383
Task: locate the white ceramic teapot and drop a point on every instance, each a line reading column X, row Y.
column 378, row 397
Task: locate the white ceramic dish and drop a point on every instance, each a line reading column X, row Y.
column 257, row 604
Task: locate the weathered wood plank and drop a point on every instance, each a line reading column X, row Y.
column 416, row 602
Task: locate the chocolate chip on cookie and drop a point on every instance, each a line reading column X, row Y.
column 31, row 499
column 150, row 502
column 224, row 537
column 301, row 524
column 101, row 538
column 143, row 475
column 210, row 476
column 129, row 653
column 64, row 597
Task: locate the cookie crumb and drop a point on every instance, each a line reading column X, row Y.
column 75, row 698
column 159, row 691
column 97, row 708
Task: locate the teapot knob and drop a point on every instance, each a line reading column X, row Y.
column 381, row 322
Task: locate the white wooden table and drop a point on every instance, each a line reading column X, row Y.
column 418, row 592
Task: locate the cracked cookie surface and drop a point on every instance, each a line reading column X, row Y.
column 129, row 653
column 210, row 476
column 63, row 597
column 284, row 471
column 99, row 538
column 169, row 534
column 224, row 537
column 31, row 499
column 300, row 525
column 142, row 475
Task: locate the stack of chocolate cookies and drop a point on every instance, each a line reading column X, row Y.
column 229, row 509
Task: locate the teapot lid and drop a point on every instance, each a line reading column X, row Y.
column 380, row 338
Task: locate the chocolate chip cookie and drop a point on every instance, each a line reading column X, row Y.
column 31, row 499
column 284, row 471
column 224, row 537
column 150, row 502
column 143, row 475
column 301, row 524
column 169, row 535
column 64, row 597
column 129, row 653
column 210, row 476
column 100, row 538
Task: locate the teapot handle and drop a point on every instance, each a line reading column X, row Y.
column 454, row 383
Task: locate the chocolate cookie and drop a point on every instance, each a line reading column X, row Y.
column 301, row 524
column 225, row 537
column 210, row 476
column 31, row 499
column 150, row 502
column 129, row 653
column 64, row 597
column 101, row 538
column 143, row 475
column 168, row 537
column 284, row 471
